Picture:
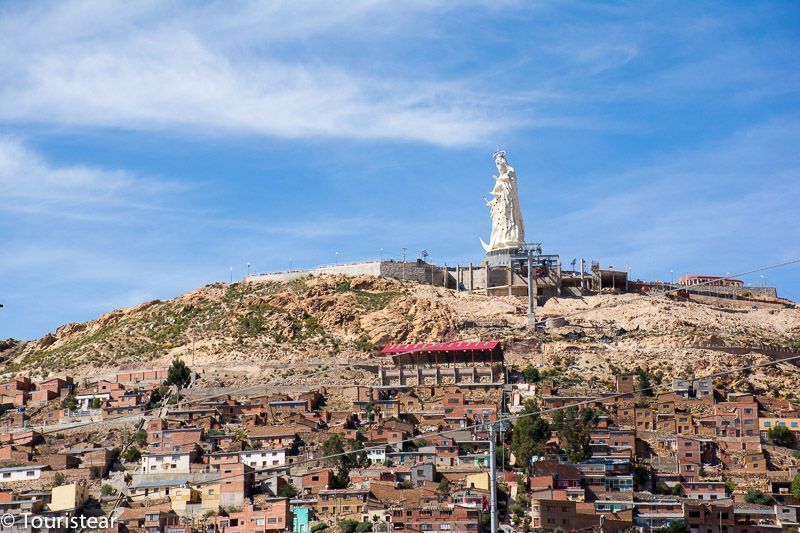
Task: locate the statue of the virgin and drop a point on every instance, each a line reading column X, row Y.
column 508, row 230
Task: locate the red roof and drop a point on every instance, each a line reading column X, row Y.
column 456, row 346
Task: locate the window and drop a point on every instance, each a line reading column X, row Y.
column 767, row 424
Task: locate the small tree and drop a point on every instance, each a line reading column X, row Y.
column 70, row 402
column 97, row 403
column 529, row 435
column 643, row 383
column 641, row 476
column 359, row 459
column 369, row 410
column 781, row 436
column 179, row 374
column 140, row 438
column 106, row 490
column 348, row 526
column 574, row 427
column 322, row 526
column 521, row 506
column 132, row 454
column 757, row 497
column 796, row 486
column 333, row 445
column 531, row 374
column 287, row 490
column 59, row 479
column 443, row 490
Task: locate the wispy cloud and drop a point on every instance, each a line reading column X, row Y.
column 207, row 70
column 33, row 186
column 725, row 207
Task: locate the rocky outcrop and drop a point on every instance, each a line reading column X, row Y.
column 343, row 320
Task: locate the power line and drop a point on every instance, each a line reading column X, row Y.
column 540, row 412
column 670, row 291
column 473, row 426
column 568, row 315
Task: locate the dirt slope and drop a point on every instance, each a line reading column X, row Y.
column 334, row 318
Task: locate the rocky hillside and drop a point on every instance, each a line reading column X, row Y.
column 339, row 320
column 309, row 318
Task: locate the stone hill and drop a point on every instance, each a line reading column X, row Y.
column 340, row 321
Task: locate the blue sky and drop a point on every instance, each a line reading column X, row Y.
column 147, row 147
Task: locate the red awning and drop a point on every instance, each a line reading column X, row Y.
column 457, row 346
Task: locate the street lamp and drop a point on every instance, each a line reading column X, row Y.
column 671, row 278
column 231, row 274
column 248, row 269
column 381, row 255
column 337, row 257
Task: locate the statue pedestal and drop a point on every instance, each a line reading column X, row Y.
column 505, row 257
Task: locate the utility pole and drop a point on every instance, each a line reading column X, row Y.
column 532, row 290
column 492, row 480
column 404, row 263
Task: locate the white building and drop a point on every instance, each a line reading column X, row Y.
column 263, row 458
column 21, row 473
column 166, row 463
column 85, row 401
column 376, row 455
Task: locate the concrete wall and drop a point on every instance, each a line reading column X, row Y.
column 372, row 268
column 422, row 272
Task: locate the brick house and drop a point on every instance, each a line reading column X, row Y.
column 270, row 515
column 275, row 437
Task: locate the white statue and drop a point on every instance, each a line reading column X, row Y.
column 508, row 230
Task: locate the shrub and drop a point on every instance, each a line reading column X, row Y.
column 781, row 436
column 287, row 491
column 140, row 438
column 106, row 490
column 70, row 402
column 132, row 454
column 677, row 526
column 757, row 497
column 531, row 374
column 348, row 526
column 796, row 486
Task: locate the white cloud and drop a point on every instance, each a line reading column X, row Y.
column 728, row 207
column 33, row 186
column 205, row 69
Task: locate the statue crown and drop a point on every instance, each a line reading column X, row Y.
column 499, row 153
